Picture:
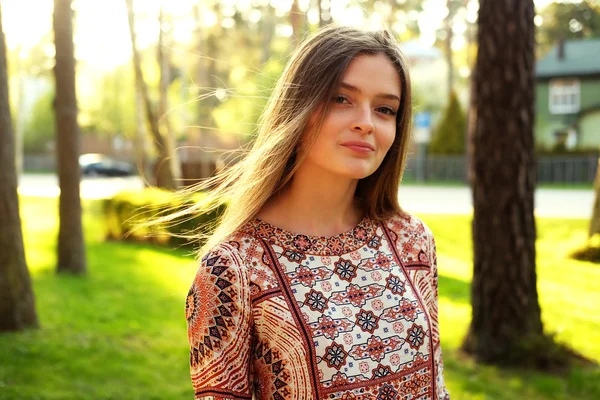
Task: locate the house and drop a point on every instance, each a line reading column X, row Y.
column 568, row 96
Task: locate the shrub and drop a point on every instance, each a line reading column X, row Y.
column 450, row 133
column 128, row 216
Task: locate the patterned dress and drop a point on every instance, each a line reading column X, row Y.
column 276, row 315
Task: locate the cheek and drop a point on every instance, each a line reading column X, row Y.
column 387, row 139
column 324, row 143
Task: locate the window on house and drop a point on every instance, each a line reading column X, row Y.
column 564, row 96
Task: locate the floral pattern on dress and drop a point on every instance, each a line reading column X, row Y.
column 351, row 316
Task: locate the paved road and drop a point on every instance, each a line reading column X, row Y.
column 572, row 203
column 46, row 185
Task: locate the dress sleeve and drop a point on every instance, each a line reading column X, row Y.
column 441, row 391
column 218, row 314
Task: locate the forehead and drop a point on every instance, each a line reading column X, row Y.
column 373, row 73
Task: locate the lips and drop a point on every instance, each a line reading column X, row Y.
column 359, row 146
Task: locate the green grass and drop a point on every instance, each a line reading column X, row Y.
column 569, row 294
column 119, row 333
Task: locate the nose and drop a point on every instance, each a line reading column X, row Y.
column 363, row 122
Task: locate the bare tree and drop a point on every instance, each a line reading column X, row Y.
column 506, row 312
column 141, row 137
column 164, row 173
column 71, row 246
column 17, row 303
column 165, row 80
column 324, row 10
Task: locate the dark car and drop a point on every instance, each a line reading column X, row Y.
column 101, row 165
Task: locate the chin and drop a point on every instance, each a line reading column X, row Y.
column 360, row 170
column 356, row 173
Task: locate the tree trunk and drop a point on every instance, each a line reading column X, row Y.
column 71, row 246
column 164, row 174
column 165, row 79
column 21, row 115
column 141, row 138
column 595, row 222
column 17, row 302
column 506, row 313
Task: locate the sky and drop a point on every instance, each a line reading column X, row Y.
column 101, row 35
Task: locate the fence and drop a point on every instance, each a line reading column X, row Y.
column 550, row 169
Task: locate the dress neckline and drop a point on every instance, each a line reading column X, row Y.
column 342, row 243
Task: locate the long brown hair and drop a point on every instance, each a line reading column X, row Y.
column 304, row 89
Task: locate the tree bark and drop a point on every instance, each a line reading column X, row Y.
column 506, row 312
column 164, row 174
column 17, row 302
column 20, row 117
column 71, row 246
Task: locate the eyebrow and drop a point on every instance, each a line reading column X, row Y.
column 382, row 95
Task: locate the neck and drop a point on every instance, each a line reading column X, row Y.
column 315, row 203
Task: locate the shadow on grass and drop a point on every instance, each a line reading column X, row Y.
column 456, row 290
column 470, row 380
column 118, row 333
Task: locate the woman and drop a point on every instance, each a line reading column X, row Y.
column 315, row 284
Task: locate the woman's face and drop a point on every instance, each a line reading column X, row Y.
column 361, row 125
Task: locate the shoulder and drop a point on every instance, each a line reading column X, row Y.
column 229, row 250
column 222, row 272
column 412, row 238
column 238, row 251
column 233, row 246
column 408, row 224
column 225, row 252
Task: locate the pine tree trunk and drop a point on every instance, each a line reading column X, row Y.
column 71, row 246
column 163, row 172
column 17, row 302
column 506, row 312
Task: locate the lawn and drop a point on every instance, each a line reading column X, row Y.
column 119, row 333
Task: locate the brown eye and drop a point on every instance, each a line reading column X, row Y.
column 340, row 99
column 387, row 110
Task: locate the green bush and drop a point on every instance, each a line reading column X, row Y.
column 450, row 133
column 133, row 215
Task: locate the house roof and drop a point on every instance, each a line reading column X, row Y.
column 581, row 57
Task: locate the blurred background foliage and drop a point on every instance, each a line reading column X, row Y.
column 224, row 56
